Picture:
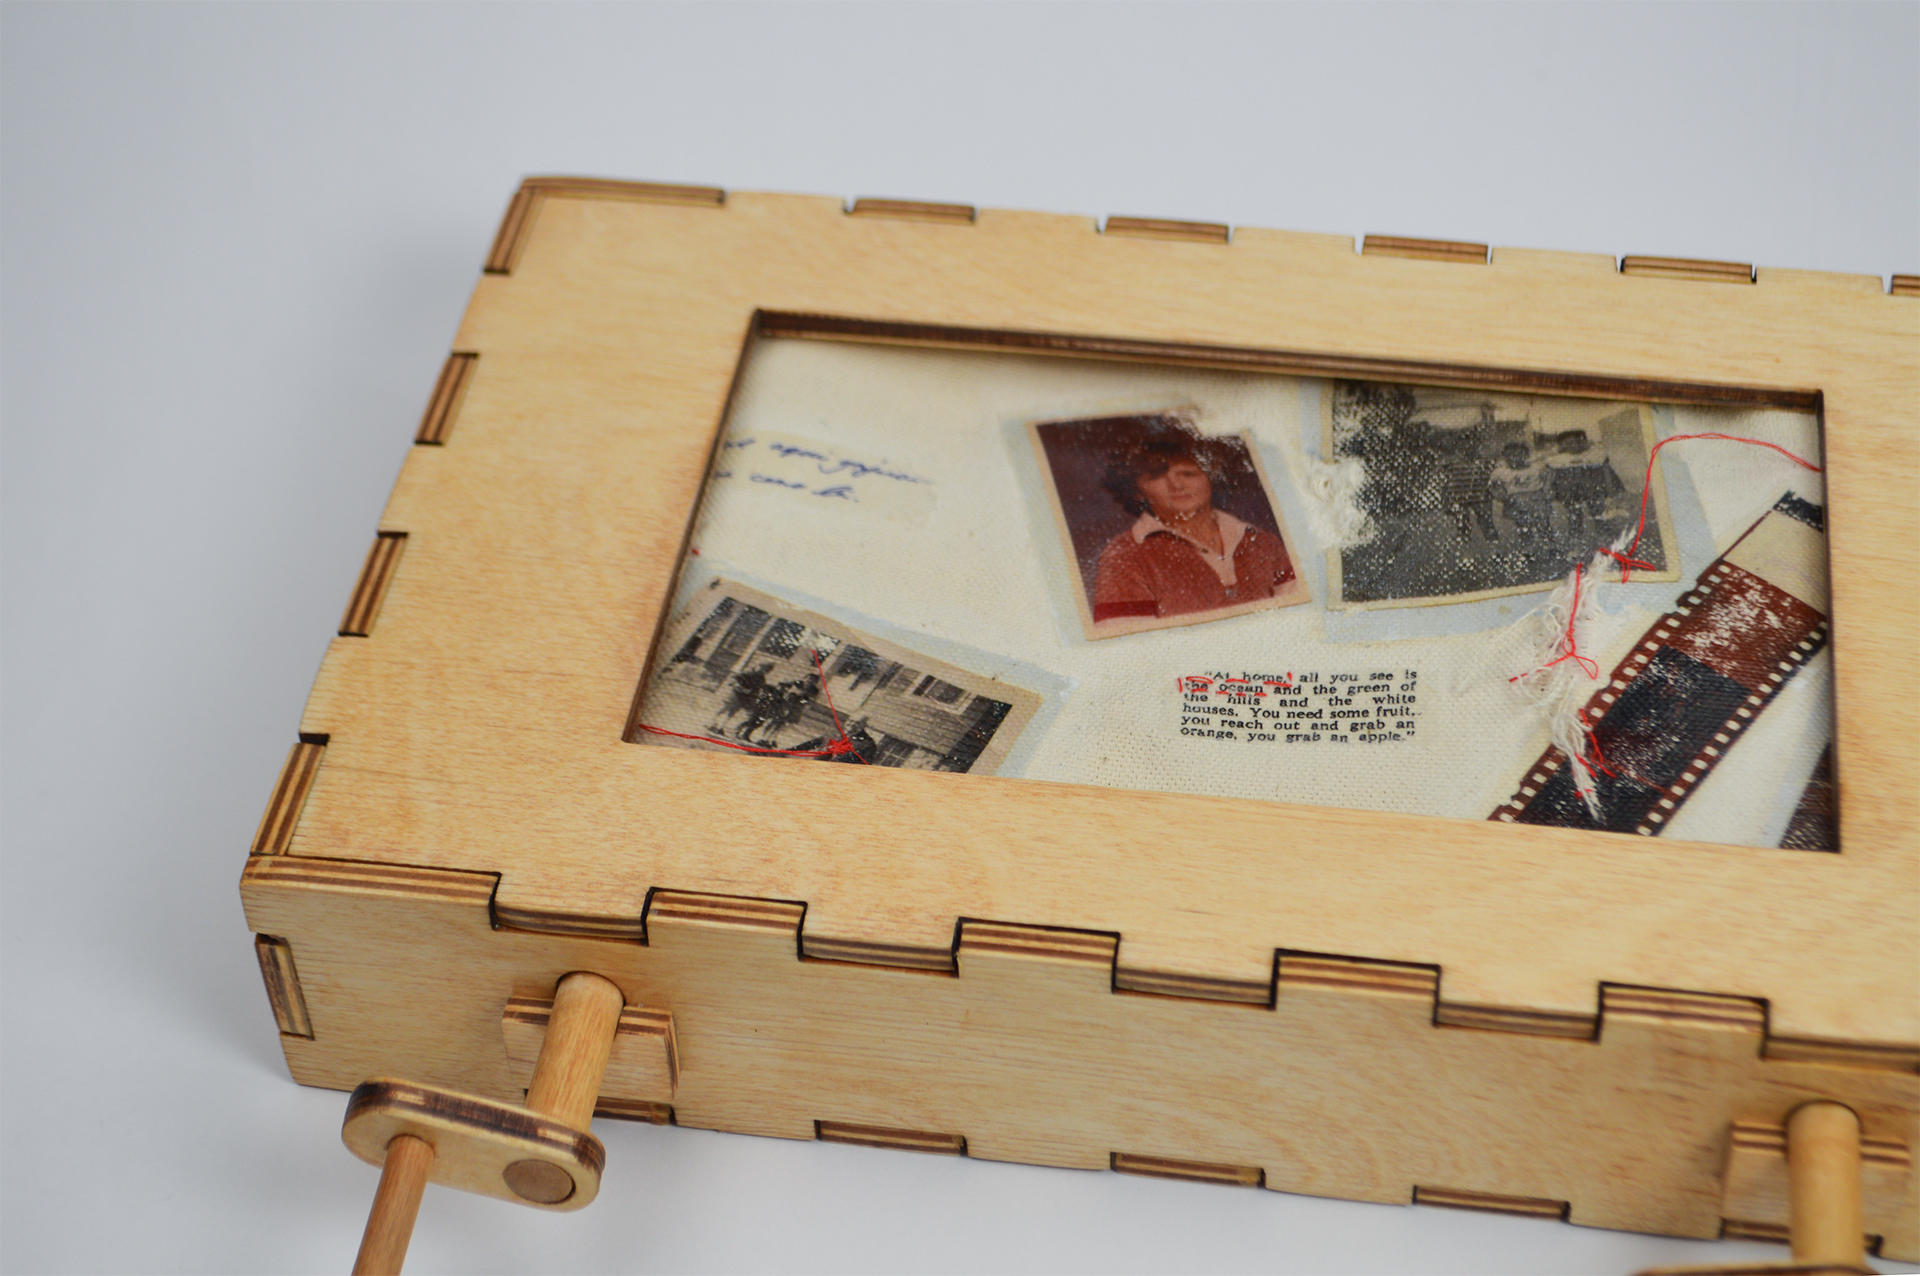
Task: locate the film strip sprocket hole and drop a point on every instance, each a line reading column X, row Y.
column 1695, row 683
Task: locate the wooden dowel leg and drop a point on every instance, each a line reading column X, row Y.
column 403, row 1178
column 1823, row 1174
column 573, row 1056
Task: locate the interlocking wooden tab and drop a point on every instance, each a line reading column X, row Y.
column 283, row 985
column 1168, row 228
column 642, row 1066
column 444, row 406
column 1423, row 249
column 518, row 222
column 1719, row 272
column 913, row 210
column 377, row 573
column 289, row 795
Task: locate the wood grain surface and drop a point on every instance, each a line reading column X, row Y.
column 1028, row 1053
column 475, row 734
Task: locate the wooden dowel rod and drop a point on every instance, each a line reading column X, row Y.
column 573, row 1056
column 1823, row 1176
column 396, row 1203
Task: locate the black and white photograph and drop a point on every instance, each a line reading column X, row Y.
column 743, row 671
column 1470, row 495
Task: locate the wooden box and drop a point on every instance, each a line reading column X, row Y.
column 1607, row 1029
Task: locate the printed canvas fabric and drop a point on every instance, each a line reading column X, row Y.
column 957, row 508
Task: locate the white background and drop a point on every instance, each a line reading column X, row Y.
column 237, row 241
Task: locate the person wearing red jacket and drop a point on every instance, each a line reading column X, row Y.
column 1182, row 554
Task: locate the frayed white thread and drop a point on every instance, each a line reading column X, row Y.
column 1560, row 675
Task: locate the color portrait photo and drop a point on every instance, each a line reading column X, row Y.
column 1163, row 525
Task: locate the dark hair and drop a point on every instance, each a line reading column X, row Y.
column 1150, row 455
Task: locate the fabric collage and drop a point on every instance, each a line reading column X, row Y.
column 1440, row 601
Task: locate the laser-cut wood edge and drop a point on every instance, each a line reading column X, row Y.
column 634, row 1110
column 1161, row 1167
column 1680, row 1008
column 1533, row 1023
column 1740, row 1229
column 1676, row 1007
column 1064, row 949
column 1193, row 987
column 1491, row 1202
column 1723, row 272
column 1424, row 249
column 1845, row 1054
column 306, row 872
column 913, row 210
column 1735, row 1229
column 544, row 921
column 289, row 796
column 1168, row 228
column 780, row 323
column 383, row 559
column 783, row 916
column 899, row 956
column 517, row 224
column 282, row 979
column 635, row 1026
column 1358, row 974
column 1771, row 1138
column 1756, row 1190
column 449, row 390
column 881, row 1136
column 1010, row 939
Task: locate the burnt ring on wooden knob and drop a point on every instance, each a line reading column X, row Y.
column 541, row 1182
column 480, row 1144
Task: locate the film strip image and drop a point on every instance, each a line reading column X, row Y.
column 1696, row 684
column 740, row 670
column 1815, row 823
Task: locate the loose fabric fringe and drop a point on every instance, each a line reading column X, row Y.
column 1559, row 678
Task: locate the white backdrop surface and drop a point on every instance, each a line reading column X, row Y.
column 236, row 242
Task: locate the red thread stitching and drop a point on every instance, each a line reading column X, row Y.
column 1587, row 664
column 1626, row 560
column 1627, row 564
column 836, row 748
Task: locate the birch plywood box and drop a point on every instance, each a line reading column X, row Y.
column 1415, row 725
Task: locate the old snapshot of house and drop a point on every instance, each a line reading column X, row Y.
column 741, row 670
column 1471, row 495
